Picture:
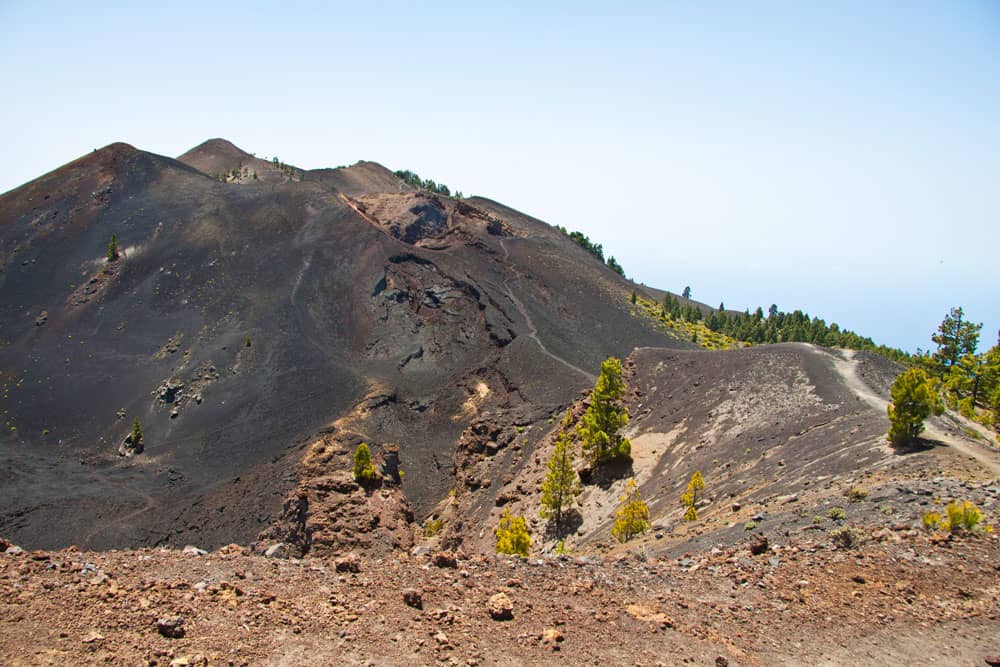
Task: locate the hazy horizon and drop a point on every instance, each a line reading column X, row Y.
column 841, row 160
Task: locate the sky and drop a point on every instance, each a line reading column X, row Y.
column 840, row 158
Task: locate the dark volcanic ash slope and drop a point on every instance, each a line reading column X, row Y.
column 244, row 320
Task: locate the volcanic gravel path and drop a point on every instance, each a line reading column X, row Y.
column 533, row 330
column 936, row 428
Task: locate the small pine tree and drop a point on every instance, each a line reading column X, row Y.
column 248, row 341
column 113, row 248
column 512, row 535
column 136, row 433
column 605, row 417
column 689, row 498
column 561, row 485
column 632, row 518
column 635, row 297
column 914, row 398
column 364, row 471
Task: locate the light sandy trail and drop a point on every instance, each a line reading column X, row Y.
column 847, row 366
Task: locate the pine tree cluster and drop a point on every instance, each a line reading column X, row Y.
column 415, row 181
column 595, row 249
column 777, row 327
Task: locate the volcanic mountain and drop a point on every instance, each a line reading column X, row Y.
column 251, row 307
column 260, row 321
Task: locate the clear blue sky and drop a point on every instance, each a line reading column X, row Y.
column 842, row 158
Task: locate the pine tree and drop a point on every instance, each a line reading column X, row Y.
column 632, row 517
column 955, row 338
column 690, row 497
column 991, row 382
column 113, row 248
column 994, row 403
column 615, row 266
column 512, row 535
column 686, row 293
column 364, row 470
column 136, row 434
column 598, row 430
column 634, row 297
column 561, row 485
column 914, row 398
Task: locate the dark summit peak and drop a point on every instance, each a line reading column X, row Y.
column 120, row 148
column 217, row 147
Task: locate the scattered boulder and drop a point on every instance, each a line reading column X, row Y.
column 128, row 448
column 992, row 660
column 721, row 661
column 349, row 563
column 279, row 550
column 759, row 545
column 171, row 627
column 649, row 615
column 170, row 391
column 445, row 559
column 231, row 550
column 413, row 598
column 500, row 607
column 553, row 637
column 192, row 550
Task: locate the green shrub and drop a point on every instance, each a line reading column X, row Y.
column 962, row 516
column 846, row 537
column 632, row 517
column 364, row 470
column 433, row 526
column 836, row 513
column 856, row 494
column 689, row 498
column 512, row 535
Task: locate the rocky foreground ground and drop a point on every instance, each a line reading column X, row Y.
column 903, row 596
